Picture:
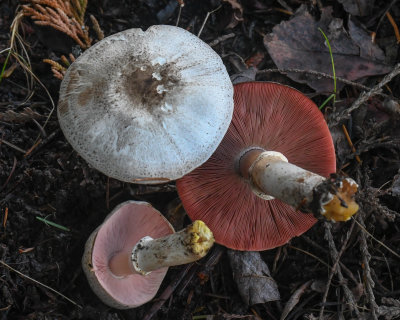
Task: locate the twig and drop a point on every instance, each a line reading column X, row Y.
column 337, row 117
column 215, row 254
column 365, row 231
column 44, row 142
column 366, row 256
column 221, row 39
column 311, row 255
column 334, row 253
column 206, row 18
column 394, row 25
column 12, row 146
column 10, row 175
column 384, row 14
column 353, row 149
column 39, row 283
column 317, row 74
column 181, row 5
column 333, row 270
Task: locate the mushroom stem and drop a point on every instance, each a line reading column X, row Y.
column 272, row 176
column 185, row 246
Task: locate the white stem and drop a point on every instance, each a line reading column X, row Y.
column 185, row 246
column 272, row 176
column 283, row 180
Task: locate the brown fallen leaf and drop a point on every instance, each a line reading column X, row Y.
column 358, row 7
column 298, row 44
column 252, row 277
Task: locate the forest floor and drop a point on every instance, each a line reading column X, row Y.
column 334, row 271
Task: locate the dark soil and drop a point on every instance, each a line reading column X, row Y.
column 41, row 176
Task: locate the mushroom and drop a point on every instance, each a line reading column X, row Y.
column 146, row 106
column 272, row 161
column 127, row 257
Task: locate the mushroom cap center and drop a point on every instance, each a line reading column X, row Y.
column 148, row 85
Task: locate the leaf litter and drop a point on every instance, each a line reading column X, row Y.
column 297, row 44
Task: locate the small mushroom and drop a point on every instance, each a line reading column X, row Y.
column 272, row 161
column 146, row 106
column 127, row 257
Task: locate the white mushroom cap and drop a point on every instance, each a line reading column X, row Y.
column 146, row 106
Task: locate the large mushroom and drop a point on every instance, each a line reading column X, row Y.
column 127, row 257
column 272, row 163
column 146, row 106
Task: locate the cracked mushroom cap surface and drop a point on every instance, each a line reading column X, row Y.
column 146, row 106
column 272, row 117
column 122, row 229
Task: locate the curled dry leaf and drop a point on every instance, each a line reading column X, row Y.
column 237, row 13
column 298, row 44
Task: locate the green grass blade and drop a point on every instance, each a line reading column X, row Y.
column 332, row 96
column 5, row 65
column 53, row 224
column 333, row 68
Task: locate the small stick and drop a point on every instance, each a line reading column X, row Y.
column 12, row 145
column 39, row 283
column 333, row 270
column 317, row 74
column 369, row 283
column 346, row 133
column 336, row 118
column 5, row 217
column 44, row 142
column 334, row 253
column 10, row 175
column 394, row 25
column 212, row 259
column 32, row 148
column 181, row 5
column 221, row 39
column 205, row 20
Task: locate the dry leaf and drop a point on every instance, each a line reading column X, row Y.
column 298, row 44
column 358, row 7
column 252, row 277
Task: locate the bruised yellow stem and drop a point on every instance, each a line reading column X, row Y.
column 202, row 238
column 343, row 205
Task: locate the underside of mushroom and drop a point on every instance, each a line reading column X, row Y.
column 275, row 165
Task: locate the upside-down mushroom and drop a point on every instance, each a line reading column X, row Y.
column 271, row 165
column 127, row 257
column 146, row 106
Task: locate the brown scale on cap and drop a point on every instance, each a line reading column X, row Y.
column 143, row 87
